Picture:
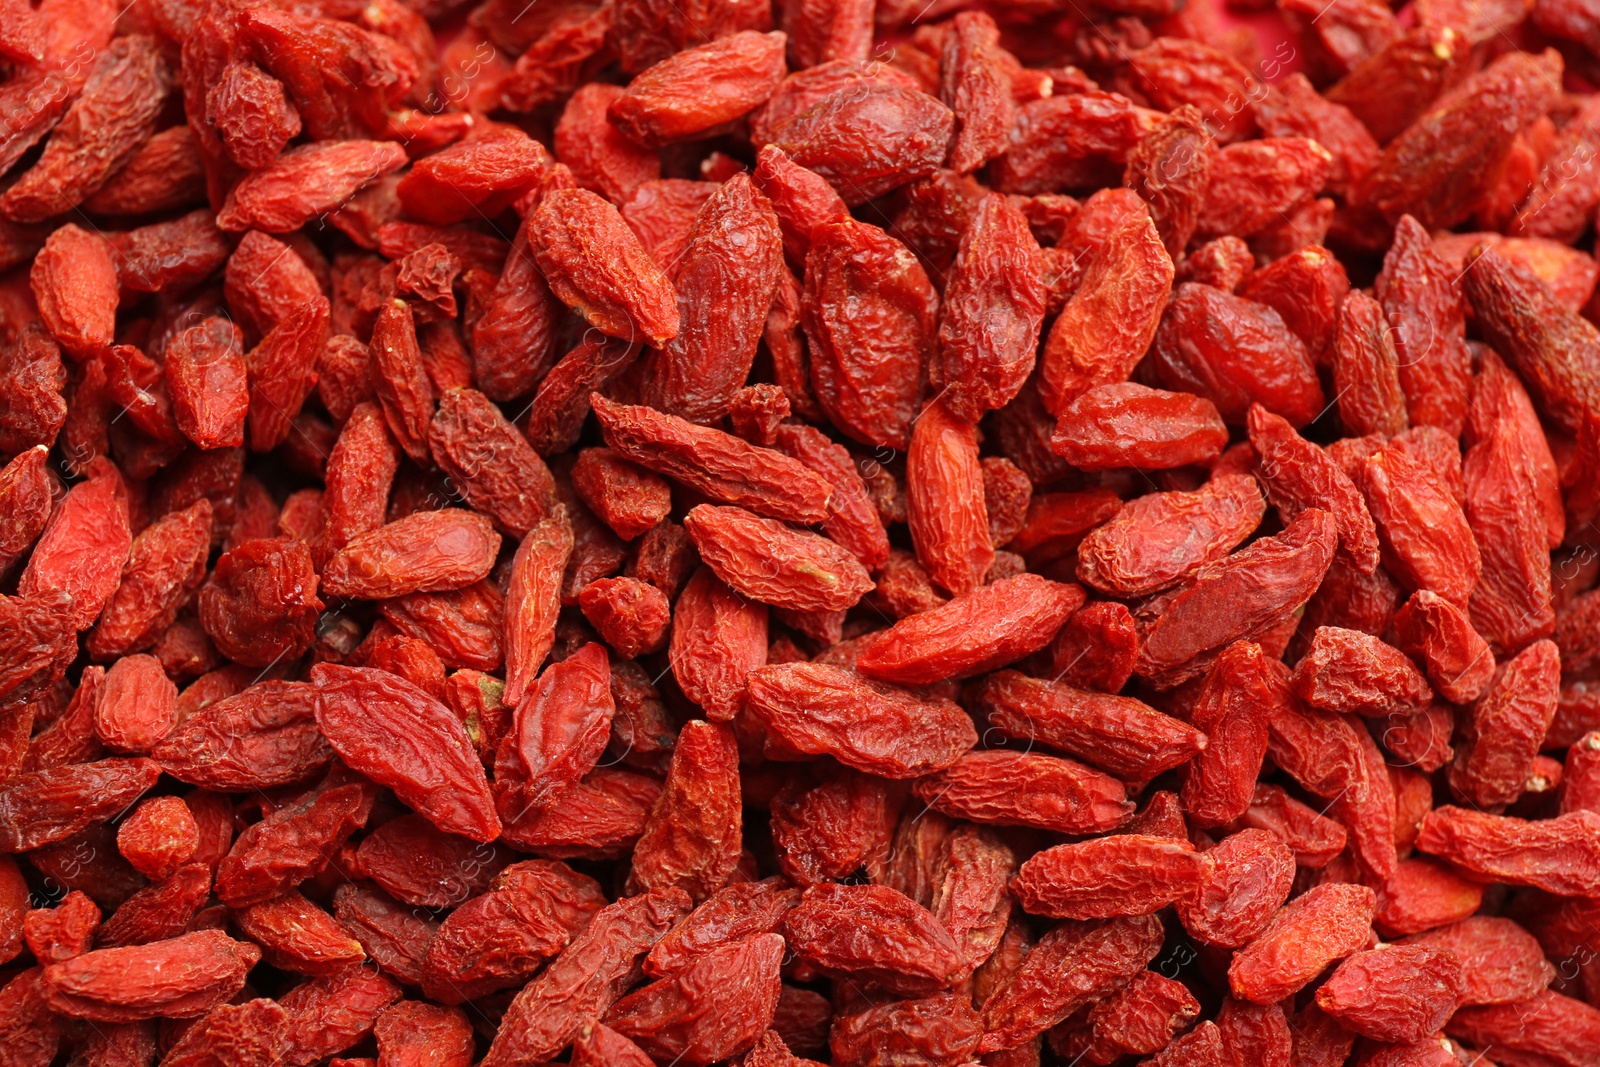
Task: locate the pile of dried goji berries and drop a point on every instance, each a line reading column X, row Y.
column 762, row 533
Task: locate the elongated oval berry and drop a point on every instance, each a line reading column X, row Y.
column 870, row 315
column 595, row 265
column 1075, row 964
column 994, row 304
column 693, row 91
column 1124, row 874
column 1426, row 541
column 1352, row 672
column 870, row 139
column 1027, row 789
column 1234, row 352
column 693, row 837
column 560, row 728
column 718, row 637
column 872, row 933
column 1161, row 538
column 396, row 734
column 674, row 1017
column 429, row 551
column 1118, row 734
column 1251, row 875
column 1110, row 319
column 182, row 977
column 1298, row 475
column 305, row 182
column 1394, row 993
column 973, row 633
column 1238, row 597
column 262, row 737
column 767, row 561
column 945, row 503
column 717, row 464
column 853, row 519
column 1126, row 424
column 875, row 728
column 1501, row 962
column 725, row 279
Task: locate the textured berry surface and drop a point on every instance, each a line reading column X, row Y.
column 776, row 533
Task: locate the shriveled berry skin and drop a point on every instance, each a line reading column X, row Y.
column 1233, row 709
column 1126, row 424
column 1355, row 673
column 497, row 939
column 1251, row 875
column 595, row 265
column 165, row 565
column 697, row 1017
column 489, row 462
column 1494, row 757
column 1121, row 735
column 74, row 280
column 1235, row 352
column 875, row 728
column 415, row 746
column 1556, row 855
column 1396, row 993
column 946, row 506
column 993, row 307
column 1169, row 169
column 557, row 734
column 1547, row 1025
column 691, row 841
column 632, row 616
column 870, row 316
column 987, row 628
column 254, row 118
column 767, row 561
column 1160, row 538
column 1423, row 894
column 870, row 140
column 1525, row 323
column 1072, row 965
column 429, row 551
column 1140, row 1019
column 138, row 982
column 82, row 548
column 1253, row 184
column 730, row 915
column 550, row 1011
column 714, row 463
column 1419, row 294
column 853, row 519
column 261, row 602
column 938, row 1029
column 1423, row 532
column 25, row 492
column 1228, row 600
column 717, row 638
column 1124, row 874
column 1429, row 171
column 1026, row 789
column 725, row 278
column 700, row 88
column 832, row 929
column 306, row 182
column 1501, row 963
column 1326, row 923
column 1297, row 474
